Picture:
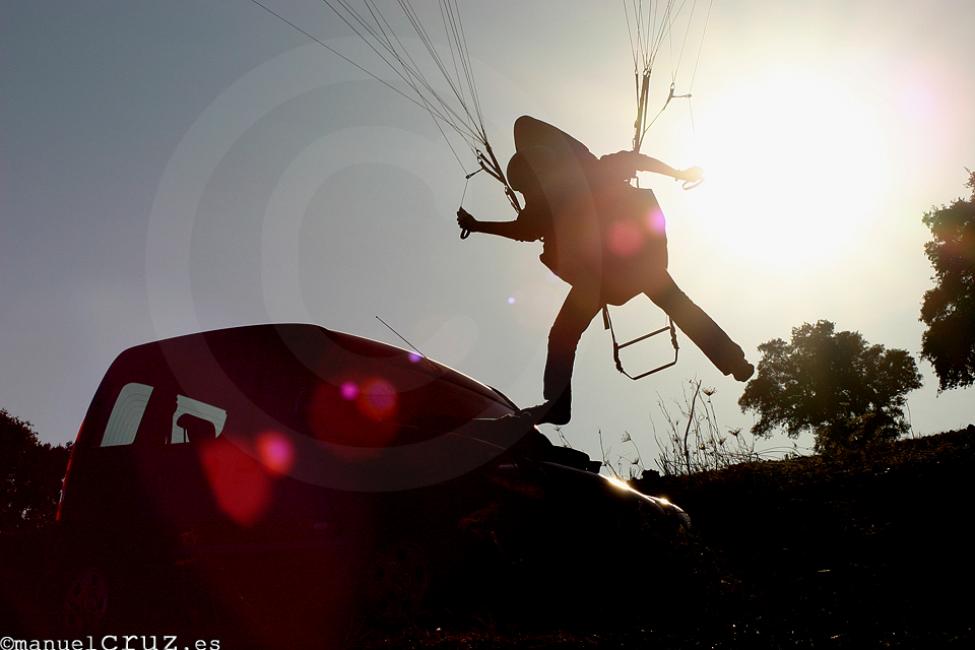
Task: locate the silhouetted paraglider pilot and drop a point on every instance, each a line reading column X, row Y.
column 604, row 237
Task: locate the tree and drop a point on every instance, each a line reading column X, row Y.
column 848, row 393
column 30, row 474
column 949, row 308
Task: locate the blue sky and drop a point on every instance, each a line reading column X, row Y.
column 171, row 167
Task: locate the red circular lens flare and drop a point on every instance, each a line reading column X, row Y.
column 655, row 222
column 239, row 486
column 377, row 399
column 625, row 238
column 276, row 452
column 366, row 420
column 349, row 390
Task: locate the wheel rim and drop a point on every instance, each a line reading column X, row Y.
column 85, row 601
column 399, row 582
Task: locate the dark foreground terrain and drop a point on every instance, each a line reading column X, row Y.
column 870, row 550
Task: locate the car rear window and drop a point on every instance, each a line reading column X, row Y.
column 191, row 420
column 123, row 423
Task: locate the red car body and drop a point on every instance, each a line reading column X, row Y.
column 275, row 482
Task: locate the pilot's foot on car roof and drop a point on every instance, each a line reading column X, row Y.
column 557, row 411
column 516, row 419
column 517, row 416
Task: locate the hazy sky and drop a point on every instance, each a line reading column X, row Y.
column 178, row 166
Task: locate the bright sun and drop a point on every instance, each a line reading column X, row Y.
column 794, row 169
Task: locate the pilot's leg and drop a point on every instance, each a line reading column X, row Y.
column 578, row 310
column 724, row 353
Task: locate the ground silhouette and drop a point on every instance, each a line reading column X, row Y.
column 853, row 551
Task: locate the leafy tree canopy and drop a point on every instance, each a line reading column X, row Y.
column 949, row 308
column 30, row 474
column 834, row 384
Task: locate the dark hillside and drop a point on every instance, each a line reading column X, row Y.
column 863, row 549
column 870, row 550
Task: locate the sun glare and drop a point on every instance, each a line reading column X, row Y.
column 794, row 167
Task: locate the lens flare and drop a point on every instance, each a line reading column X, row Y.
column 655, row 222
column 239, row 486
column 377, row 399
column 625, row 238
column 349, row 390
column 361, row 415
column 276, row 452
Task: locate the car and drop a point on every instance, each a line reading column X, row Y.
column 286, row 482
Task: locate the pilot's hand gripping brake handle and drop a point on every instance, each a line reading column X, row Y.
column 465, row 220
column 691, row 177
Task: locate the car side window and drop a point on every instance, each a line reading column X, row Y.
column 196, row 421
column 123, row 423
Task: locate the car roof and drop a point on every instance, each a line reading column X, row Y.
column 252, row 340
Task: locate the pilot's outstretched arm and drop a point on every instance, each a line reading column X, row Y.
column 519, row 229
column 630, row 162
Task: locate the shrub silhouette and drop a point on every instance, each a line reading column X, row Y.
column 848, row 393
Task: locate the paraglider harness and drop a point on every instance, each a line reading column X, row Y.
column 617, row 346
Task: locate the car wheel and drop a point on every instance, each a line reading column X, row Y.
column 86, row 597
column 397, row 584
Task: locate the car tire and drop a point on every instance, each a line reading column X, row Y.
column 397, row 584
column 85, row 601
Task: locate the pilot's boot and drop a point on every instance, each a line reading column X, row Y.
column 742, row 371
column 556, row 411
